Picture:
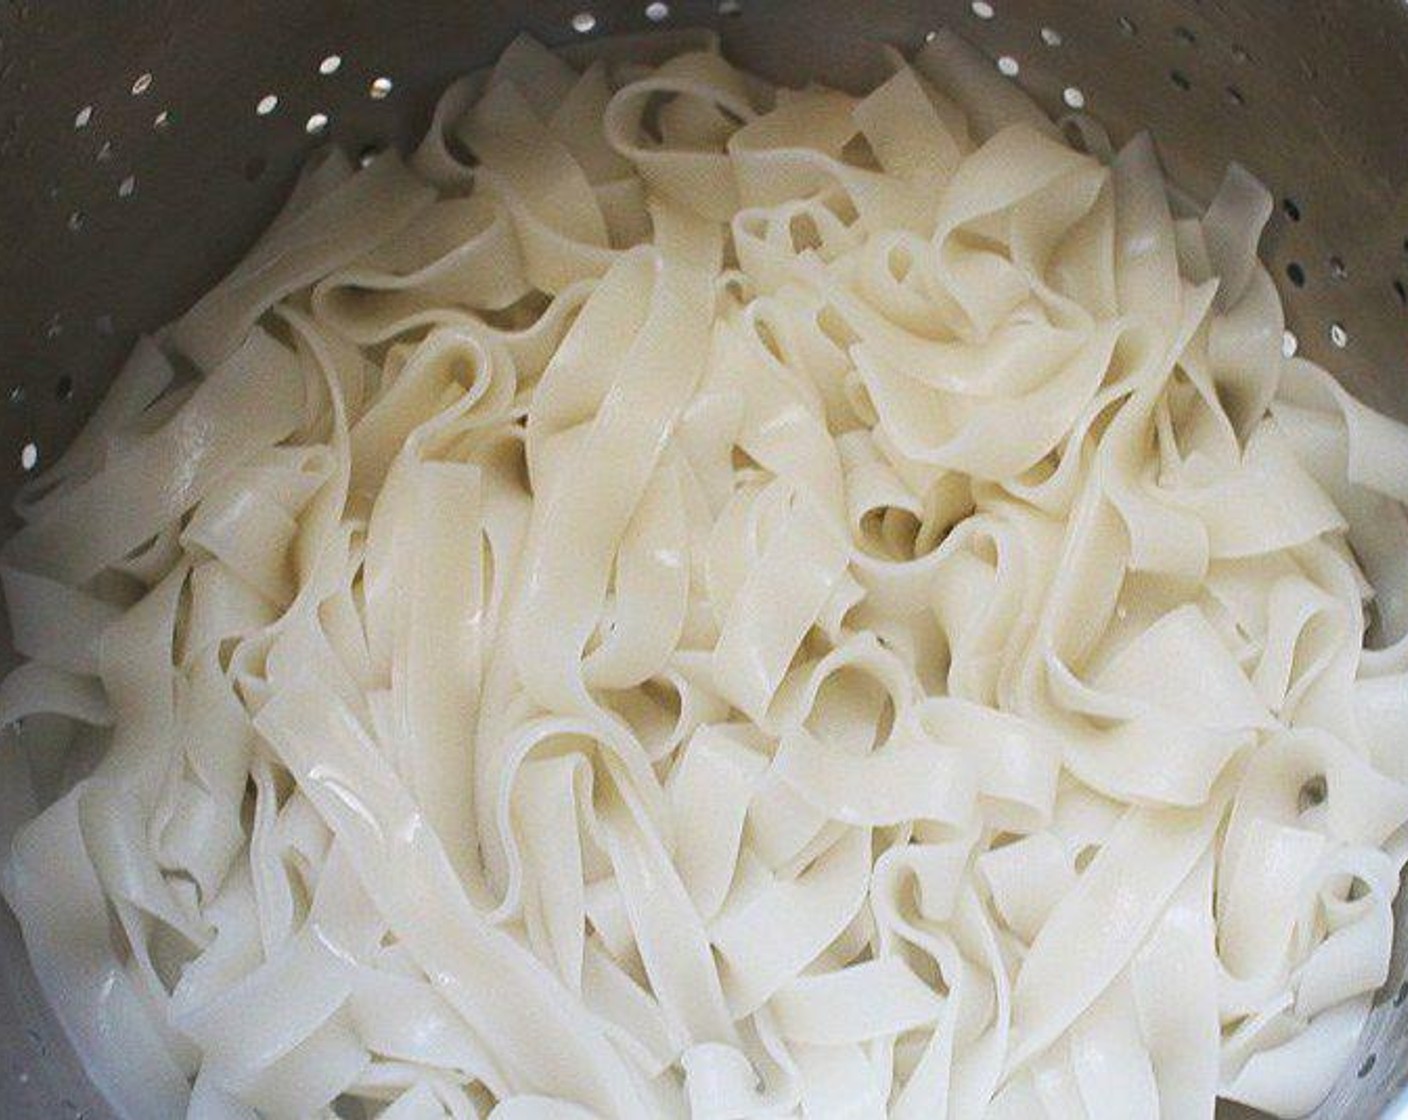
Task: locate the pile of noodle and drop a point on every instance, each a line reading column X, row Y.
column 690, row 598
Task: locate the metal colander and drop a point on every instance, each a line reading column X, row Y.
column 144, row 145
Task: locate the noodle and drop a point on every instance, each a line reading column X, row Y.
column 690, row 598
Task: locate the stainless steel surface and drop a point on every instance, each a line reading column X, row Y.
column 135, row 166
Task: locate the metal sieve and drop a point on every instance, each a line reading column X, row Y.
column 144, row 145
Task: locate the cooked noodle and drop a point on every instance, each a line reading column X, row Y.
column 686, row 597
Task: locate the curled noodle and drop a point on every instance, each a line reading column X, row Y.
column 693, row 598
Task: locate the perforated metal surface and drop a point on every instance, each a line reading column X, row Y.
column 144, row 144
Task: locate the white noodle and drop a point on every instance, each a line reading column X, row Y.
column 738, row 602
